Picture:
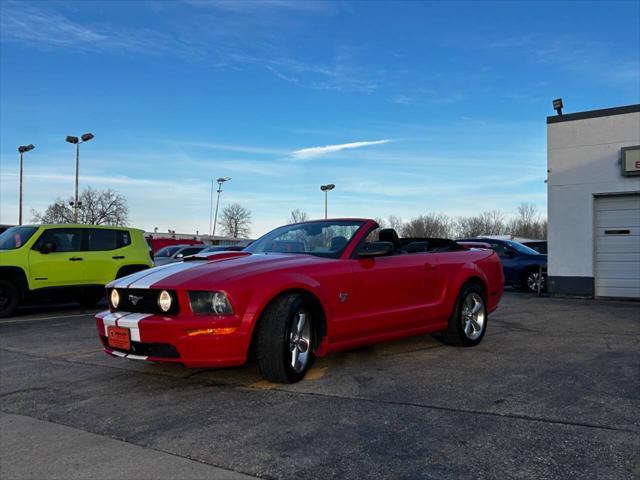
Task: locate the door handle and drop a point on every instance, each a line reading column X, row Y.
column 428, row 266
column 75, row 259
column 118, row 257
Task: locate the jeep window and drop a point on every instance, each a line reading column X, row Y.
column 102, row 239
column 15, row 237
column 123, row 237
column 64, row 239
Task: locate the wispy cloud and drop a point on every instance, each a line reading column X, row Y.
column 312, row 152
column 233, row 148
column 46, row 29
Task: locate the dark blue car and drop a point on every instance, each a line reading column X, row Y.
column 521, row 264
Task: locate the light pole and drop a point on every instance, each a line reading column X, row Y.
column 220, row 181
column 77, row 141
column 325, row 189
column 22, row 149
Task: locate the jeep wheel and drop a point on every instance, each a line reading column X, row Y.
column 9, row 298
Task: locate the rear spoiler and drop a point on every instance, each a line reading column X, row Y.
column 470, row 245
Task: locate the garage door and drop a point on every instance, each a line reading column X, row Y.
column 617, row 246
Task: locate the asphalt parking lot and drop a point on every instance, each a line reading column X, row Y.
column 553, row 391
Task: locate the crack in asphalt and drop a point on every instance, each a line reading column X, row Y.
column 466, row 411
column 245, row 386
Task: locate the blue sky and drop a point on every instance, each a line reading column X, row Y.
column 452, row 96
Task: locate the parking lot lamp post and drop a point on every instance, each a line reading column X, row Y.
column 220, row 181
column 325, row 189
column 22, row 149
column 77, row 141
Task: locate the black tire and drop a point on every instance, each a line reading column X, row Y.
column 530, row 279
column 9, row 298
column 456, row 333
column 274, row 339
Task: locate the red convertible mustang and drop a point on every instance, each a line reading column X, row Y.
column 299, row 292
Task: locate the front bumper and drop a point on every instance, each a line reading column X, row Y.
column 194, row 341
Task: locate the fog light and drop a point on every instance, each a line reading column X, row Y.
column 115, row 298
column 164, row 301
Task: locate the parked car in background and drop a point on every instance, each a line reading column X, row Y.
column 539, row 246
column 175, row 253
column 66, row 262
column 222, row 248
column 301, row 291
column 521, row 264
column 158, row 243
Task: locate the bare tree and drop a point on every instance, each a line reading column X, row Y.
column 429, row 225
column 395, row 222
column 528, row 222
column 486, row 223
column 297, row 216
column 97, row 207
column 235, row 221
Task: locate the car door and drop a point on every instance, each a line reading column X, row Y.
column 61, row 267
column 393, row 293
column 511, row 263
column 106, row 253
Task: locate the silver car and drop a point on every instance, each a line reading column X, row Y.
column 175, row 253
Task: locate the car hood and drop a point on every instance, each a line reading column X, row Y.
column 215, row 269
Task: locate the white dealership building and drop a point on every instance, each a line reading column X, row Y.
column 593, row 163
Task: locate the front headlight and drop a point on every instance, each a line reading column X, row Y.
column 211, row 303
column 114, row 298
column 165, row 301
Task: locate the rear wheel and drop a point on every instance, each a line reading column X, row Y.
column 9, row 298
column 468, row 323
column 284, row 339
column 533, row 279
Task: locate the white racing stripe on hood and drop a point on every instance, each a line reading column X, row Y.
column 131, row 322
column 111, row 319
column 124, row 281
column 158, row 274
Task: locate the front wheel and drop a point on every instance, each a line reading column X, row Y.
column 9, row 298
column 468, row 323
column 284, row 342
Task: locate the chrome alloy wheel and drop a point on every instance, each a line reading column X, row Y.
column 300, row 341
column 533, row 280
column 473, row 315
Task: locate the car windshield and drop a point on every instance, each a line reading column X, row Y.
column 322, row 239
column 523, row 248
column 15, row 237
column 167, row 251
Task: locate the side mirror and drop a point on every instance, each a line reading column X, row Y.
column 376, row 249
column 180, row 255
column 47, row 248
column 509, row 252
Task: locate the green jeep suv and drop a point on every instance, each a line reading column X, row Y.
column 66, row 262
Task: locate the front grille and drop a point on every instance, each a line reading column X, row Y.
column 142, row 300
column 159, row 350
